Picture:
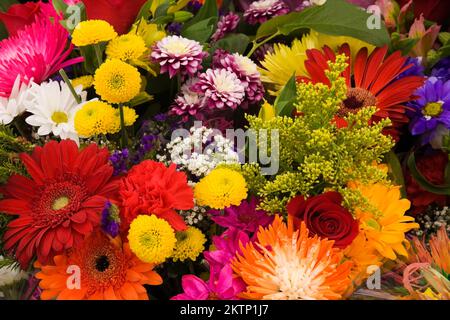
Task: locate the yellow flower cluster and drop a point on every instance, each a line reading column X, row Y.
column 190, row 244
column 84, row 81
column 92, row 32
column 126, row 47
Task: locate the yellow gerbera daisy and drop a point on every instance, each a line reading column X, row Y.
column 94, row 118
column 126, row 47
column 92, row 32
column 190, row 244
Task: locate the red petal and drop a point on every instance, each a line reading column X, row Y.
column 174, row 219
column 15, row 206
column 21, row 187
column 389, row 71
column 372, row 66
column 51, row 161
column 359, row 66
column 33, row 168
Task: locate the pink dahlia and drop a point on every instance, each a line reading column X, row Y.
column 188, row 102
column 262, row 10
column 36, row 52
column 176, row 54
column 221, row 88
column 246, row 70
column 227, row 23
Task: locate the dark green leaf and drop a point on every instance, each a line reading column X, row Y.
column 233, row 43
column 145, row 11
column 335, row 17
column 208, row 10
column 3, row 32
column 5, row 4
column 422, row 181
column 444, row 37
column 200, row 31
column 284, row 104
column 161, row 10
column 395, row 170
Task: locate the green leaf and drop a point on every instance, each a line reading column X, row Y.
column 395, row 171
column 335, row 17
column 208, row 10
column 200, row 31
column 162, row 9
column 284, row 104
column 3, row 32
column 233, row 43
column 141, row 98
column 422, row 181
column 145, row 11
column 5, row 4
column 60, row 6
column 444, row 37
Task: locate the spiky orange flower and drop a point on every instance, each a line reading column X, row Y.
column 286, row 264
column 108, row 270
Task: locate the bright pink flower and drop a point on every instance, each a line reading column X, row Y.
column 227, row 23
column 263, row 10
column 36, row 52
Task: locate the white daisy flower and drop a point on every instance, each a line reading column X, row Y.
column 14, row 105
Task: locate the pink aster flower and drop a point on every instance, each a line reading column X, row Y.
column 188, row 102
column 222, row 285
column 176, row 54
column 221, row 88
column 262, row 10
column 245, row 217
column 36, row 52
column 227, row 23
column 246, row 70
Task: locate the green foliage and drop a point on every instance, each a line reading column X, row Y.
column 315, row 155
column 233, row 43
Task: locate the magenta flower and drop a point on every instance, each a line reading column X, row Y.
column 262, row 10
column 188, row 102
column 227, row 23
column 221, row 88
column 176, row 54
column 36, row 52
column 220, row 286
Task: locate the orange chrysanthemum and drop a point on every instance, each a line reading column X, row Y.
column 108, row 270
column 288, row 265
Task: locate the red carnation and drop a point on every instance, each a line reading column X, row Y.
column 432, row 167
column 325, row 217
column 60, row 203
column 119, row 13
column 153, row 188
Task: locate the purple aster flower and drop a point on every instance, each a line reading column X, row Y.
column 176, row 54
column 119, row 161
column 194, row 6
column 262, row 10
column 431, row 109
column 442, row 69
column 188, row 102
column 174, row 28
column 110, row 222
column 221, row 88
column 416, row 68
column 245, row 217
column 245, row 69
column 227, row 23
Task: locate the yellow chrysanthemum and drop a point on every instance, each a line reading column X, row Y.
column 190, row 244
column 130, row 117
column 279, row 66
column 151, row 239
column 385, row 227
column 92, row 32
column 221, row 188
column 94, row 118
column 117, row 82
column 126, row 47
column 85, row 81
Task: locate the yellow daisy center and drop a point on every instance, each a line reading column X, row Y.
column 433, row 109
column 59, row 117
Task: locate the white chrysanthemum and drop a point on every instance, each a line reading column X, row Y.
column 53, row 109
column 246, row 64
column 10, row 274
column 14, row 105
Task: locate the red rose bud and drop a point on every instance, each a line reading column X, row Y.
column 119, row 13
column 325, row 217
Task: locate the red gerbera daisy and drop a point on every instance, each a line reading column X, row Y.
column 372, row 80
column 152, row 188
column 62, row 201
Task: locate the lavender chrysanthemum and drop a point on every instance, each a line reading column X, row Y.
column 188, row 102
column 262, row 10
column 176, row 54
column 431, row 109
column 110, row 222
column 226, row 24
column 221, row 88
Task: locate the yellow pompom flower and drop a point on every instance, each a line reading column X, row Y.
column 190, row 243
column 151, row 239
column 117, row 82
column 126, row 47
column 85, row 81
column 130, row 117
column 221, row 188
column 94, row 118
column 92, row 32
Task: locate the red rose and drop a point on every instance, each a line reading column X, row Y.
column 20, row 15
column 434, row 10
column 432, row 167
column 325, row 217
column 119, row 13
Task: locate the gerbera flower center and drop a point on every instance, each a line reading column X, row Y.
column 60, row 117
column 60, row 203
column 433, row 109
column 102, row 263
column 213, row 296
column 357, row 98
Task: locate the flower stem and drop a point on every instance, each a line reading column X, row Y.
column 98, row 54
column 256, row 45
column 124, row 143
column 69, row 84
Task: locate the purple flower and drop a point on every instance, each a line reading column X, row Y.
column 442, row 69
column 222, row 285
column 174, row 28
column 262, row 10
column 119, row 160
column 245, row 217
column 227, row 23
column 110, row 222
column 221, row 88
column 245, row 69
column 176, row 54
column 431, row 109
column 416, row 68
column 188, row 102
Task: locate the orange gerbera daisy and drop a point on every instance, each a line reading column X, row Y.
column 107, row 270
column 289, row 265
column 372, row 80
